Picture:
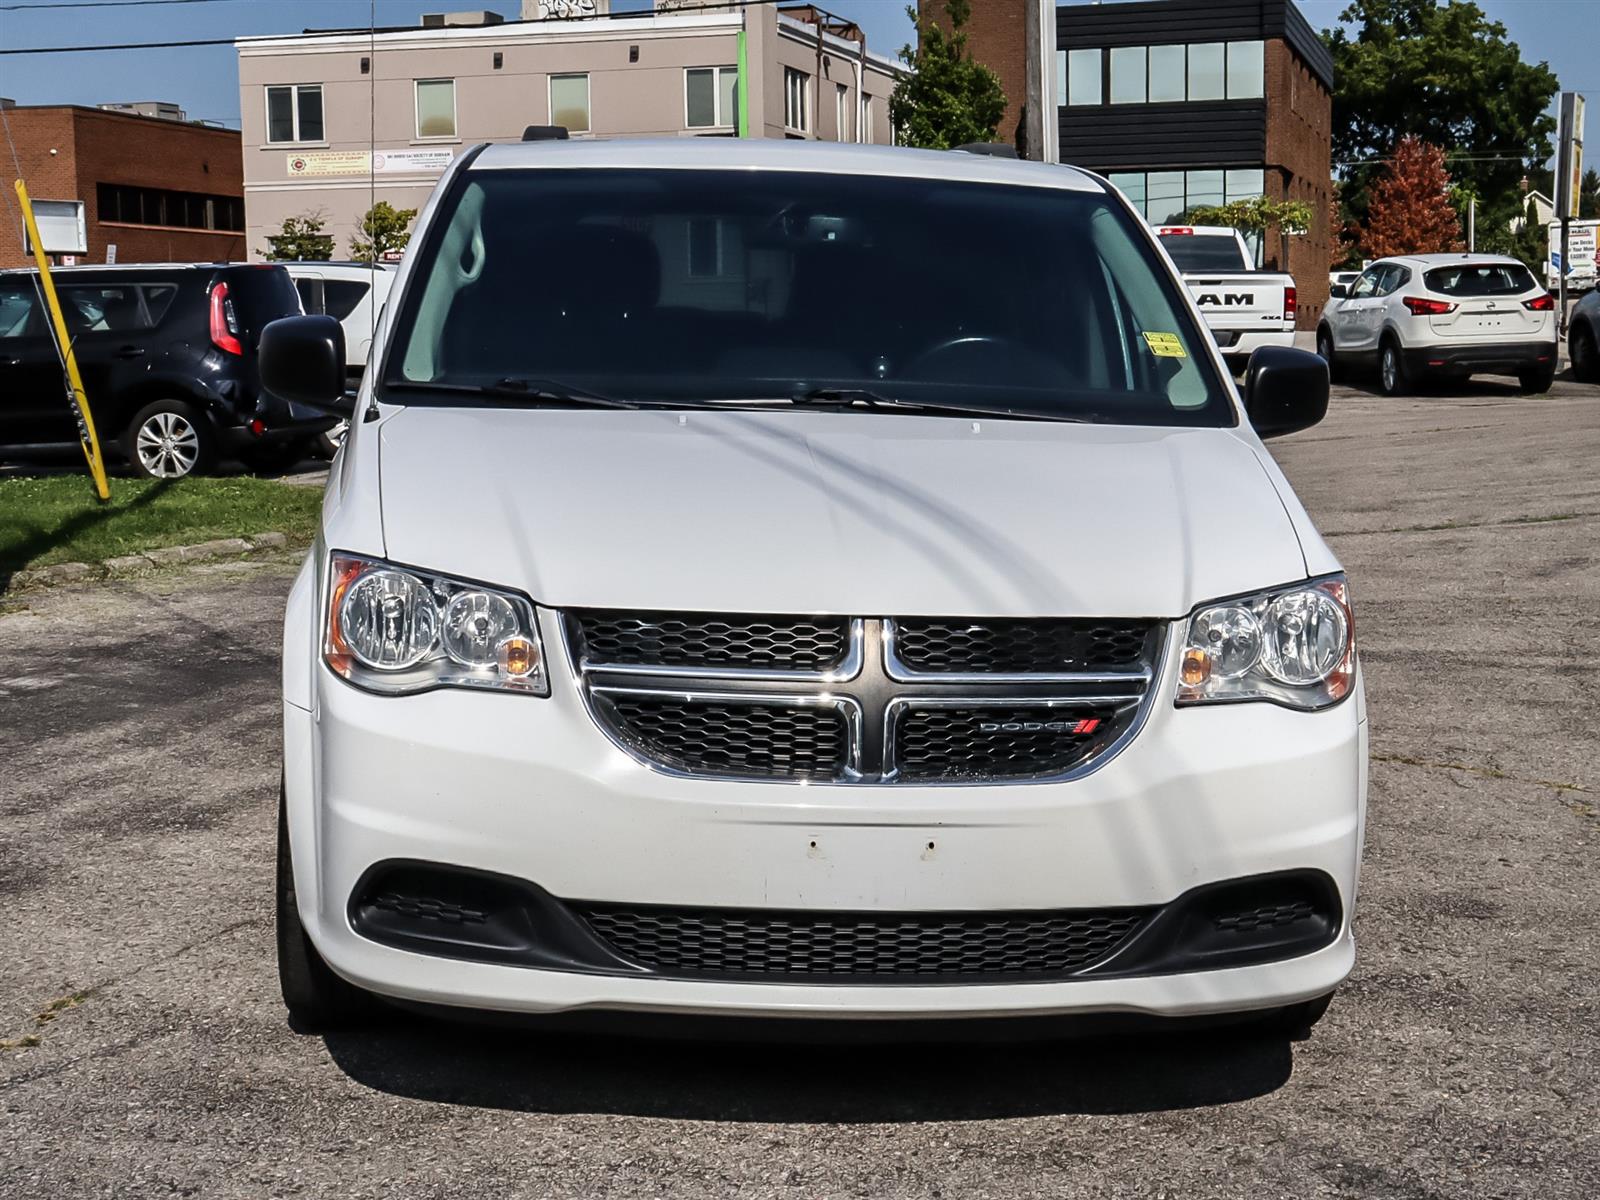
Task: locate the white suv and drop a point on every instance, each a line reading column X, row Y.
column 802, row 580
column 1442, row 315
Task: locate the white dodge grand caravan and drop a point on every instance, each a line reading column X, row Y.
column 809, row 581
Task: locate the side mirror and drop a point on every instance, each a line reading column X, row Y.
column 1338, row 292
column 1285, row 390
column 302, row 361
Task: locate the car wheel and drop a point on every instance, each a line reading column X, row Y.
column 274, row 458
column 1297, row 1020
column 316, row 998
column 168, row 440
column 1326, row 351
column 1537, row 381
column 328, row 443
column 1392, row 379
column 1585, row 354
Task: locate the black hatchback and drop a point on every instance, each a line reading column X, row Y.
column 168, row 360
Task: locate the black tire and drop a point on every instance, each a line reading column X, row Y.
column 1537, row 381
column 274, row 458
column 168, row 439
column 316, row 998
column 1297, row 1020
column 1393, row 379
column 1329, row 355
column 1585, row 354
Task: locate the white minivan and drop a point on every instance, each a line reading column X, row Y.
column 798, row 580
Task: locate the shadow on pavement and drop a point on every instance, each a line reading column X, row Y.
column 799, row 1081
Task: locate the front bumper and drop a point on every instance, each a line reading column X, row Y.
column 530, row 788
column 1493, row 357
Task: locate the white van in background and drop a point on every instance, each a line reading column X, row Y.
column 353, row 294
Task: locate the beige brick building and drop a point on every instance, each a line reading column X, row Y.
column 313, row 105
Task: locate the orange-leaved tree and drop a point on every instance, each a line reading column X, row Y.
column 1410, row 212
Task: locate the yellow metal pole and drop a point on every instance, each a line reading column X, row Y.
column 80, row 402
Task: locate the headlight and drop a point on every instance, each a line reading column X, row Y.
column 393, row 629
column 1294, row 646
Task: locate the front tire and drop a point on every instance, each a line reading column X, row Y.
column 316, row 998
column 1585, row 355
column 1328, row 354
column 1392, row 378
column 169, row 440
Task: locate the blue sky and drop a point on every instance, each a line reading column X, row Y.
column 204, row 81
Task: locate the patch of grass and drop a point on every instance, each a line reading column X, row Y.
column 56, row 518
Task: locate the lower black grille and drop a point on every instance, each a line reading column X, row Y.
column 428, row 908
column 998, row 743
column 774, row 943
column 1267, row 916
column 753, row 740
column 1014, row 647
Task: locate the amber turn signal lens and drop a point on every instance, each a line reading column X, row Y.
column 1196, row 667
column 518, row 657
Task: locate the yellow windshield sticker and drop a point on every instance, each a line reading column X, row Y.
column 1165, row 345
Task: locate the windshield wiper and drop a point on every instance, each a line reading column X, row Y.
column 548, row 391
column 847, row 396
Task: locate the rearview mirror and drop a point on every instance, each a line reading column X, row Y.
column 302, row 361
column 1285, row 390
column 1338, row 292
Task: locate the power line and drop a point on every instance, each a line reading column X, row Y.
column 122, row 46
column 103, row 4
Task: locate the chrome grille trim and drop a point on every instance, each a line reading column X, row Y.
column 872, row 699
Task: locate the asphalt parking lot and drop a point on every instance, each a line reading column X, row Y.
column 147, row 1052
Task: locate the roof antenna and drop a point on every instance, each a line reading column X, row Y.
column 372, row 413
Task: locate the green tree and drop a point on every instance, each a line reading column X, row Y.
column 301, row 238
column 948, row 100
column 1589, row 195
column 1445, row 73
column 383, row 229
column 1526, row 241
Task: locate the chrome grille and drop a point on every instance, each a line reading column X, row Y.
column 769, row 740
column 1020, row 647
column 864, row 699
column 769, row 943
column 711, row 640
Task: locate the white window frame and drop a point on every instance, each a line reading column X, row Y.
column 866, row 119
column 792, row 74
column 588, row 97
column 416, row 112
column 294, row 113
column 841, row 112
column 721, row 120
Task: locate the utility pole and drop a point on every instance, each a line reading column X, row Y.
column 1569, row 175
column 1041, row 130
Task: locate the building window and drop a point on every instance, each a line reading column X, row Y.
column 1084, row 83
column 130, row 205
column 569, row 102
column 1246, row 71
column 1128, row 75
column 1202, row 187
column 436, row 108
column 1168, row 74
column 796, row 85
column 1206, row 71
column 1163, row 197
column 866, row 121
column 1131, row 185
column 710, row 97
column 841, row 112
column 294, row 113
column 705, row 247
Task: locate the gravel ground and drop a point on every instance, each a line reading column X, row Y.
column 147, row 1052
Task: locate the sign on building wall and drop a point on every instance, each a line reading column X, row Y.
column 325, row 163
column 557, row 10
column 61, row 226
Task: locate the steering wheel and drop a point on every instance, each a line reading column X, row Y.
column 981, row 358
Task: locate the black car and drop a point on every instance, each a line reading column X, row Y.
column 168, row 360
column 1583, row 338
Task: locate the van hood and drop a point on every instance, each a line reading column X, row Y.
column 870, row 514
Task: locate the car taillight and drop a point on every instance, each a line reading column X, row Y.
column 1426, row 308
column 1289, row 302
column 224, row 325
column 1544, row 303
column 1170, row 229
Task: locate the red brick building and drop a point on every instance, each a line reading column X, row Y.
column 1186, row 102
column 158, row 190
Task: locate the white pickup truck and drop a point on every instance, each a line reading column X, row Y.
column 1244, row 308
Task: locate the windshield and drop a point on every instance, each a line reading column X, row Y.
column 1480, row 279
column 1204, row 253
column 699, row 287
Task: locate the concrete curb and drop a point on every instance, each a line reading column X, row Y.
column 136, row 564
